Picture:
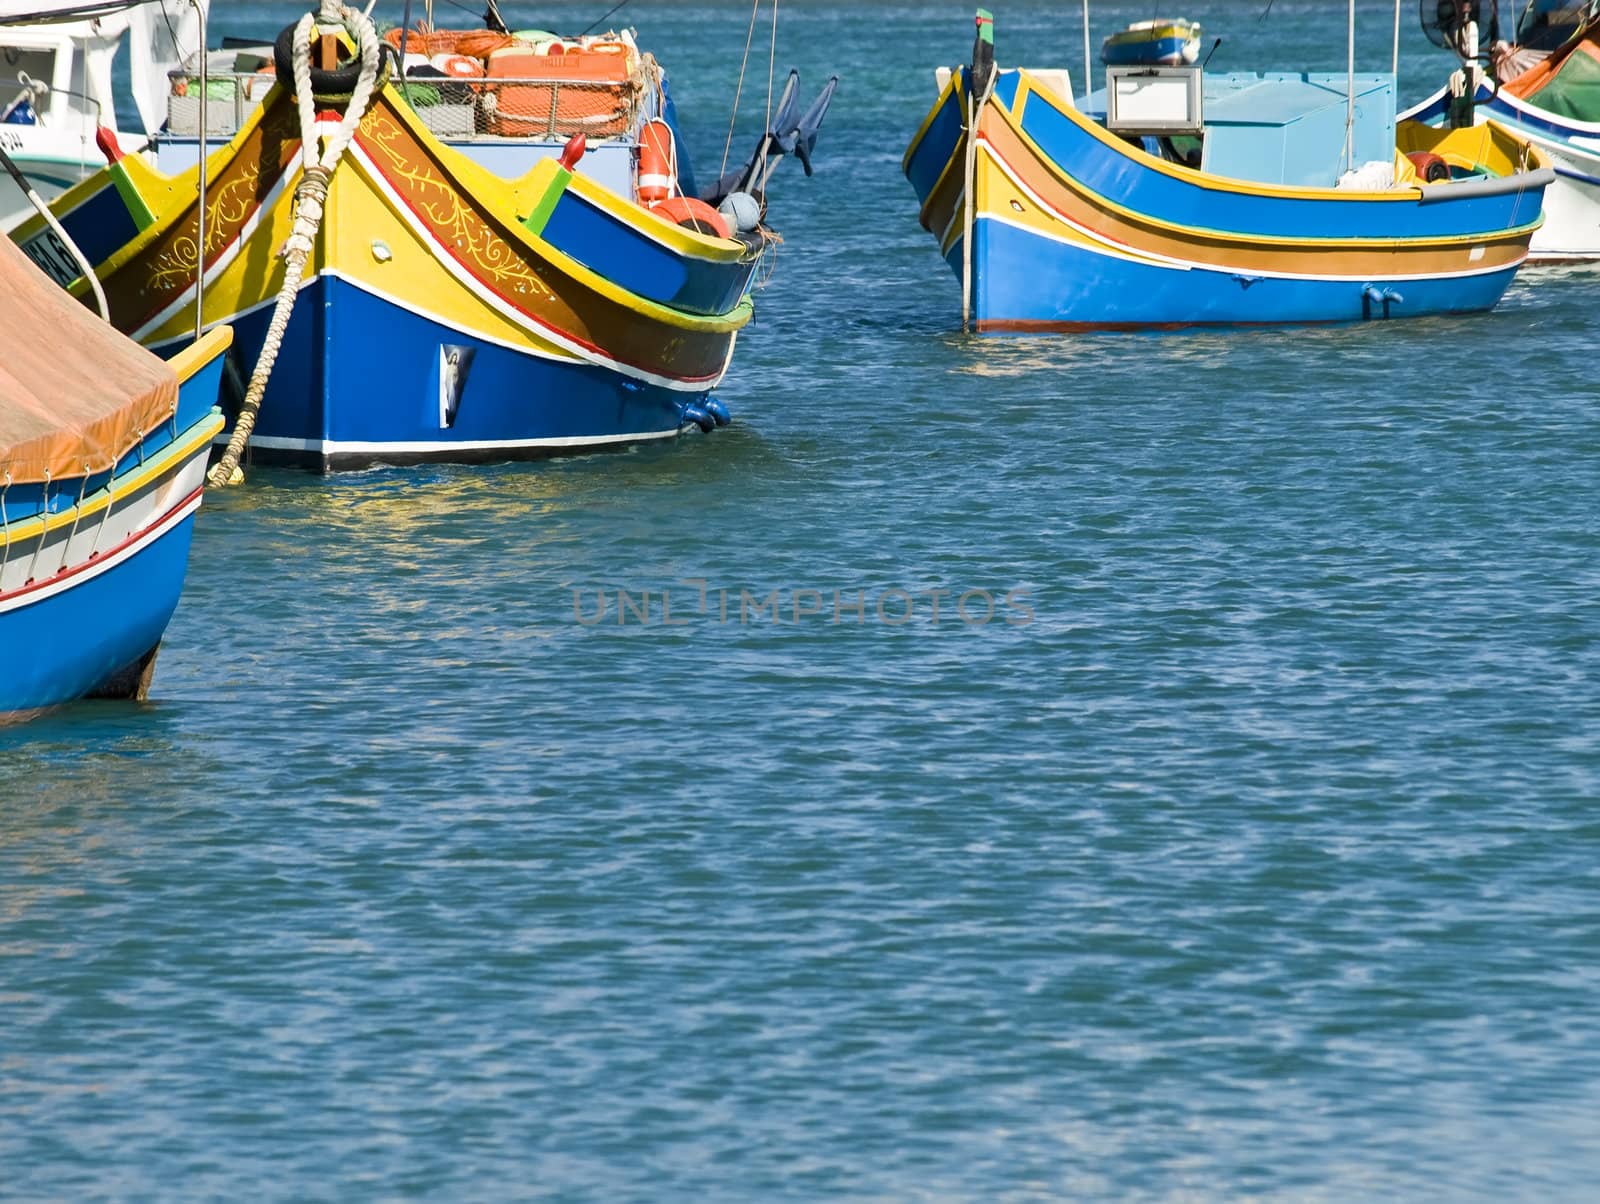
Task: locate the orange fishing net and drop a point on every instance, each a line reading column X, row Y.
column 474, row 43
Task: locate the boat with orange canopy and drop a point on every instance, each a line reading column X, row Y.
column 103, row 452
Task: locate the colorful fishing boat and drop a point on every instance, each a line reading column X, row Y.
column 56, row 57
column 1177, row 198
column 1545, row 88
column 103, row 452
column 1169, row 43
column 552, row 284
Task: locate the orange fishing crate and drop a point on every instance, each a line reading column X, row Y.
column 557, row 94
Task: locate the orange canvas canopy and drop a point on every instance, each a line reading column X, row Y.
column 1536, row 77
column 74, row 394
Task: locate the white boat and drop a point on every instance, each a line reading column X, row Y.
column 1548, row 94
column 56, row 90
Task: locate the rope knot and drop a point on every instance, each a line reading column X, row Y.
column 314, row 184
column 310, row 197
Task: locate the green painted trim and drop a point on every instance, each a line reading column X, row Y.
column 535, row 222
column 129, row 192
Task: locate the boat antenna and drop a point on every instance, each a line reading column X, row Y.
column 1209, row 53
column 201, row 166
column 612, row 9
column 1350, row 100
column 1394, row 61
column 1087, row 87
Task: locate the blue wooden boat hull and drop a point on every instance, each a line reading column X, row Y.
column 69, row 642
column 379, row 399
column 1033, row 281
column 75, row 628
column 1073, row 227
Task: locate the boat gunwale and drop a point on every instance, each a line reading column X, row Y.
column 168, row 461
column 1211, row 182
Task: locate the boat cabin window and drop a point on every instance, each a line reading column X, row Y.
column 15, row 62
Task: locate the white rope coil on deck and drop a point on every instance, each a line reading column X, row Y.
column 310, row 197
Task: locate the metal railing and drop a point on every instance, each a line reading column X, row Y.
column 459, row 110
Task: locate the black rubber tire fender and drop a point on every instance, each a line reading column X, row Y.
column 341, row 81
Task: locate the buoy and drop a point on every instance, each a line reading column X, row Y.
column 742, row 210
column 658, row 176
column 1431, row 167
column 694, row 214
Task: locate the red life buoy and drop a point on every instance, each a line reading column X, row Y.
column 695, row 214
column 658, row 175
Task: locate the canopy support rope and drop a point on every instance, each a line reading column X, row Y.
column 755, row 8
column 310, row 197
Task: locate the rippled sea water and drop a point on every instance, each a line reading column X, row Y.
column 1248, row 851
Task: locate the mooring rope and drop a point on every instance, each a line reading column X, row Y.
column 310, row 197
column 755, row 8
column 772, row 67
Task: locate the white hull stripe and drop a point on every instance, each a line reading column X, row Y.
column 342, row 447
column 185, row 300
column 520, row 348
column 87, row 570
column 233, row 318
column 511, row 312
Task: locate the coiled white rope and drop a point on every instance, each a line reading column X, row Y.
column 310, row 196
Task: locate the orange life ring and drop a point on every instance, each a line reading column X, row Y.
column 695, row 214
column 658, row 176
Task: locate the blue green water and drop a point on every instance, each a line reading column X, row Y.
column 1255, row 856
